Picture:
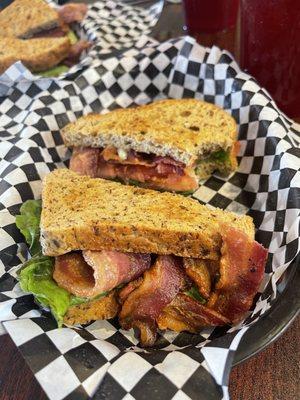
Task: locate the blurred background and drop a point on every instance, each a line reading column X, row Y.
column 263, row 35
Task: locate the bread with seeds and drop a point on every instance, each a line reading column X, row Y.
column 82, row 213
column 169, row 144
column 23, row 18
column 38, row 54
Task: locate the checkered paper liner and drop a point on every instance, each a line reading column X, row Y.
column 110, row 25
column 100, row 359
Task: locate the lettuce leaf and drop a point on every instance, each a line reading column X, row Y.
column 72, row 37
column 186, row 192
column 194, row 294
column 221, row 156
column 28, row 222
column 75, row 300
column 36, row 277
column 54, row 72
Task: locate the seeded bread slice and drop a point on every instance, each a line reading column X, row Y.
column 37, row 54
column 24, row 18
column 183, row 129
column 82, row 213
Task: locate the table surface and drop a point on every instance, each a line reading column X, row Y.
column 271, row 375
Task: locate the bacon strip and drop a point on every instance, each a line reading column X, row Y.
column 95, row 272
column 187, row 314
column 129, row 288
column 198, row 270
column 134, row 158
column 153, row 171
column 242, row 267
column 72, row 12
column 84, row 161
column 160, row 285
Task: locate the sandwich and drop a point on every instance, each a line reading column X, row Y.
column 155, row 260
column 40, row 36
column 166, row 145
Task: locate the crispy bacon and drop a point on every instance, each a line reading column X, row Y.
column 75, row 52
column 84, row 161
column 160, row 285
column 72, row 273
column 134, row 158
column 198, row 270
column 129, row 288
column 153, row 171
column 72, row 12
column 95, row 272
column 242, row 267
column 187, row 314
column 154, row 164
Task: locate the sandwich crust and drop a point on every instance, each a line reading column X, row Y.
column 184, row 129
column 37, row 54
column 81, row 213
column 32, row 16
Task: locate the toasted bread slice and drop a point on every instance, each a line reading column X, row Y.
column 37, row 54
column 82, row 213
column 185, row 129
column 24, row 18
column 103, row 308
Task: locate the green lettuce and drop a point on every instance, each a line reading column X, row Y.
column 185, row 192
column 221, row 156
column 36, row 277
column 28, row 222
column 75, row 300
column 72, row 37
column 194, row 294
column 54, row 72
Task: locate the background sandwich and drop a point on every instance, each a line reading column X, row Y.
column 25, row 25
column 158, row 260
column 169, row 144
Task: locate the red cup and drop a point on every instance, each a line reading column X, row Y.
column 210, row 16
column 270, row 48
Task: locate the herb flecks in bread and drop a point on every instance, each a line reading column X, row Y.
column 36, row 54
column 184, row 129
column 33, row 16
column 95, row 214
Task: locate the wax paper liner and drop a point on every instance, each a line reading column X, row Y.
column 109, row 25
column 100, row 359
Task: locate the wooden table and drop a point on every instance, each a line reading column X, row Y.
column 271, row 375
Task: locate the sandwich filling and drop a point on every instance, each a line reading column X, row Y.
column 146, row 291
column 68, row 14
column 143, row 169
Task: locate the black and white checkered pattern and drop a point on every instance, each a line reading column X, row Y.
column 266, row 186
column 110, row 25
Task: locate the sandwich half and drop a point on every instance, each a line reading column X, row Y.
column 157, row 260
column 36, row 54
column 166, row 145
column 25, row 20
